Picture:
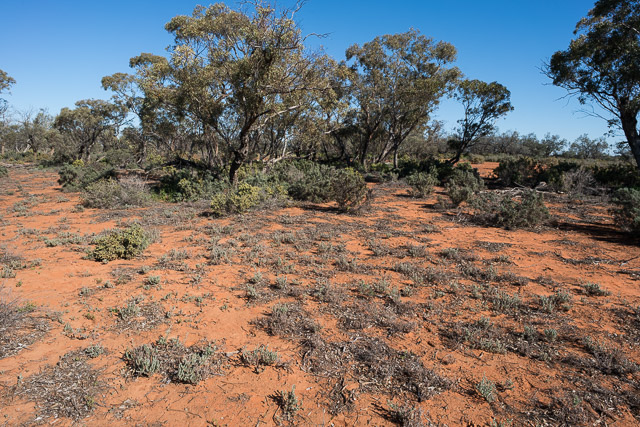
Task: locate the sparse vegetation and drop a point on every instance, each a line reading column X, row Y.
column 121, row 244
column 291, row 252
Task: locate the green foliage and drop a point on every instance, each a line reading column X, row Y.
column 307, row 180
column 186, row 184
column 487, row 389
column 348, row 189
column 409, row 166
column 524, row 171
column 627, row 211
column 617, row 175
column 504, row 211
column 110, row 194
column 601, row 66
column 396, row 81
column 463, row 184
column 243, row 198
column 422, row 183
column 483, row 104
column 122, row 244
column 77, row 176
column 3, row 172
column 143, row 360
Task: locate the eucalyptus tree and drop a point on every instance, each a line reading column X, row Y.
column 397, row 82
column 91, row 123
column 602, row 65
column 483, row 104
column 229, row 76
column 6, row 81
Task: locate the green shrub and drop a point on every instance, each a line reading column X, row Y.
column 617, row 175
column 523, row 171
column 307, row 181
column 462, row 184
column 504, row 211
column 77, row 176
column 348, row 189
column 3, row 171
column 422, row 183
column 243, row 198
column 627, row 210
column 122, row 244
column 408, row 166
column 110, row 193
column 188, row 184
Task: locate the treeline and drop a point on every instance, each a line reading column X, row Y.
column 238, row 87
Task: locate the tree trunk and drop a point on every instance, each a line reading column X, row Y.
column 629, row 122
column 239, row 157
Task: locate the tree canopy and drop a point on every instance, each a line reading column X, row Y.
column 602, row 65
column 483, row 104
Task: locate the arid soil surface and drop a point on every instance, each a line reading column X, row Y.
column 401, row 314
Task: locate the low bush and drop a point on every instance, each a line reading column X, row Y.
column 306, row 180
column 111, row 193
column 121, row 244
column 422, row 183
column 3, row 171
column 617, row 175
column 187, row 184
column 505, row 211
column 348, row 189
column 244, row 197
column 77, row 176
column 463, row 184
column 627, row 210
column 523, row 171
column 579, row 182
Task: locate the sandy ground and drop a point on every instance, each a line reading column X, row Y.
column 400, row 314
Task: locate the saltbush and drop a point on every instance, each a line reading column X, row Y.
column 111, row 193
column 505, row 211
column 77, row 176
column 121, row 244
column 617, row 175
column 244, row 197
column 523, row 171
column 627, row 210
column 348, row 189
column 422, row 183
column 187, row 184
column 462, row 184
column 307, row 181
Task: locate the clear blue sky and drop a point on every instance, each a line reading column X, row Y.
column 59, row 50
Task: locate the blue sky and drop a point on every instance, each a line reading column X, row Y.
column 59, row 50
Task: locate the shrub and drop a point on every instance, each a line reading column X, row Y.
column 462, row 184
column 186, row 184
column 3, row 171
column 77, row 176
column 617, row 175
column 123, row 244
column 422, row 183
column 348, row 189
column 627, row 212
column 578, row 182
column 504, row 211
column 235, row 201
column 306, row 180
column 110, row 193
column 523, row 171
column 244, row 197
